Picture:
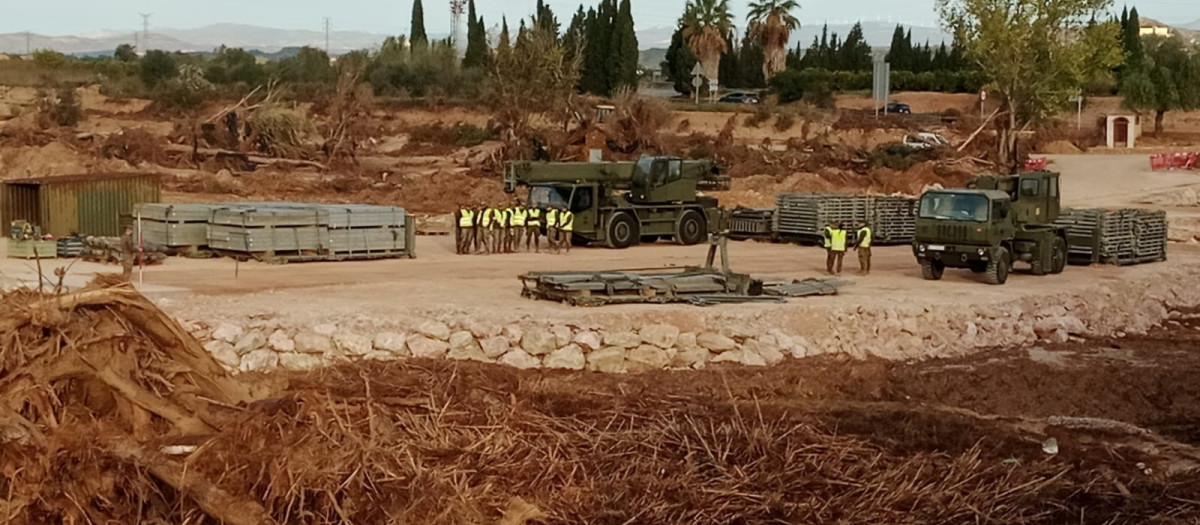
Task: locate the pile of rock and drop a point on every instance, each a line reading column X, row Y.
column 263, row 345
column 693, row 338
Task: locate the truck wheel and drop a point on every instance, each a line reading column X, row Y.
column 623, row 231
column 932, row 270
column 691, row 228
column 997, row 270
column 1058, row 256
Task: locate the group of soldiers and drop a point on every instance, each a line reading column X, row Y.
column 493, row 229
column 835, row 239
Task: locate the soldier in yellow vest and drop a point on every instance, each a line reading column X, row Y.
column 533, row 229
column 864, row 236
column 464, row 230
column 837, row 250
column 487, row 218
column 552, row 229
column 518, row 215
column 499, row 226
column 566, row 225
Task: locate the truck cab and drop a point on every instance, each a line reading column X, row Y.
column 990, row 225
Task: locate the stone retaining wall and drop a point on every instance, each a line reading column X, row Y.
column 692, row 337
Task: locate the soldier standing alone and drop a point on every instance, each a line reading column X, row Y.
column 128, row 248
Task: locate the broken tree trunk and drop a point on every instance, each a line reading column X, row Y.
column 246, row 157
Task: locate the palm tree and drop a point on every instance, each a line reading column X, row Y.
column 707, row 27
column 771, row 22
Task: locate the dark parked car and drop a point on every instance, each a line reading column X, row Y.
column 898, row 107
column 740, row 98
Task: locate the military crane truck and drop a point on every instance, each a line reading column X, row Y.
column 621, row 204
column 993, row 223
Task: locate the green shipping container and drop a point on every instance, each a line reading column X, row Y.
column 77, row 204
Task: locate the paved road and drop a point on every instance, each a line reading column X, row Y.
column 1114, row 180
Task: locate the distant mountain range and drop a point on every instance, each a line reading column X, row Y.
column 267, row 40
column 271, row 40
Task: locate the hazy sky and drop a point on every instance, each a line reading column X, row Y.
column 62, row 17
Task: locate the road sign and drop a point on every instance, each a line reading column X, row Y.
column 983, row 95
column 881, row 83
column 697, row 70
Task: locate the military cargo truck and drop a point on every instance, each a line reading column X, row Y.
column 990, row 225
column 621, row 204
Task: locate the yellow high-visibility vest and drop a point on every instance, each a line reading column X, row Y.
column 466, row 218
column 518, row 217
column 552, row 218
column 566, row 221
column 864, row 237
column 838, row 240
column 486, row 219
column 535, row 217
column 500, row 218
column 826, row 237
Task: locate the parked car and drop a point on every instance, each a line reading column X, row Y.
column 925, row 141
column 898, row 107
column 740, row 98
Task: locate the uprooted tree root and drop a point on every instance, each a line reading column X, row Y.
column 114, row 414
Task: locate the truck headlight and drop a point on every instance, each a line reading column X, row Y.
column 981, row 252
column 921, row 248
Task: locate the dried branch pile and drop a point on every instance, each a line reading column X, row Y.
column 97, row 383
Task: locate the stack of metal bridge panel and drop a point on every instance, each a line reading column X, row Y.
column 174, row 225
column 1122, row 236
column 804, row 215
column 275, row 231
column 282, row 231
column 894, row 219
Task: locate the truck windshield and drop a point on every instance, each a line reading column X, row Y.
column 644, row 164
column 954, row 206
column 548, row 196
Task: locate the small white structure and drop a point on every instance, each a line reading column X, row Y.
column 1121, row 130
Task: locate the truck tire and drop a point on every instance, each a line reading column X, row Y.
column 623, row 231
column 691, row 229
column 997, row 270
column 1058, row 256
column 932, row 270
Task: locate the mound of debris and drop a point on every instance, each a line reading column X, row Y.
column 113, row 414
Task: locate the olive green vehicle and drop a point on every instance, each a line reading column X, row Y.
column 994, row 223
column 621, row 204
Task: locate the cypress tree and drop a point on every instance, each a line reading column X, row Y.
column 728, row 70
column 855, row 54
column 623, row 49
column 597, row 75
column 811, row 58
column 574, row 38
column 833, row 55
column 544, row 18
column 895, row 55
column 504, row 47
column 678, row 63
column 822, row 58
column 476, row 54
column 1131, row 40
column 418, row 25
column 750, row 63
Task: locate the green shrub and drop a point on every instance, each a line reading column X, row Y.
column 761, row 114
column 460, row 134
